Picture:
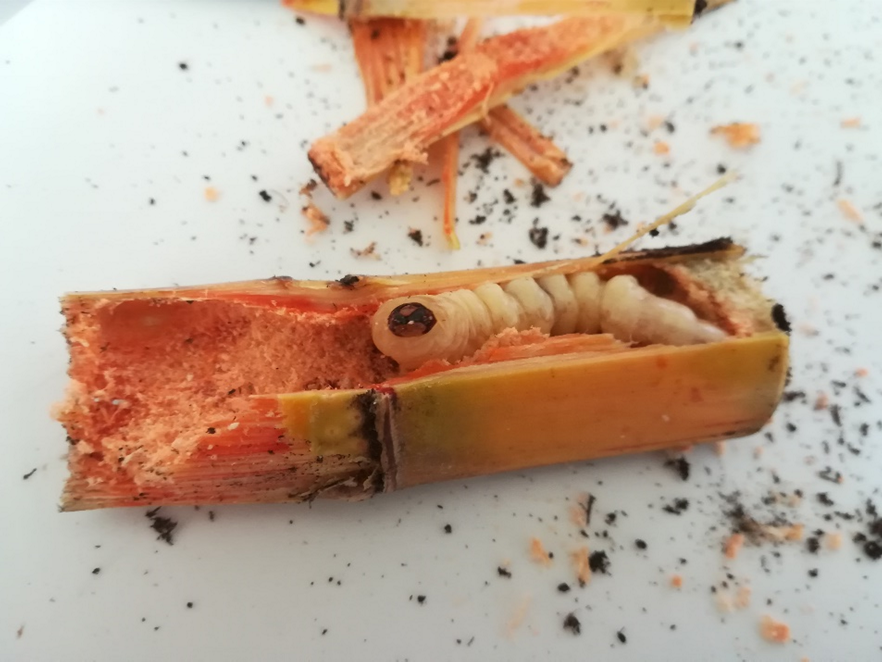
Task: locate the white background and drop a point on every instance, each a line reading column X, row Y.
column 95, row 117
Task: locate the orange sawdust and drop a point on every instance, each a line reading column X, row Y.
column 774, row 631
column 738, row 134
column 538, row 552
column 734, row 543
column 580, row 563
column 661, row 148
column 848, row 210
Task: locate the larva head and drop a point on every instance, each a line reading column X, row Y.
column 412, row 330
column 410, row 319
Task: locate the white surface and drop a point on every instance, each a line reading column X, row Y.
column 8, row 8
column 95, row 115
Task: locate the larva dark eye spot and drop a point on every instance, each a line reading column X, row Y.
column 411, row 319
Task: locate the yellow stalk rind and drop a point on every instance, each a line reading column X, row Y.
column 329, row 420
column 477, row 422
column 481, row 419
column 675, row 12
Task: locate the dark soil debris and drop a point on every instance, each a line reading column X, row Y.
column 779, row 316
column 588, row 506
column 572, row 623
column 164, row 526
column 678, row 507
column 835, row 414
column 539, row 236
column 348, row 280
column 599, row 562
column 485, row 158
column 829, row 474
column 680, row 465
column 614, row 219
column 539, row 197
column 824, row 499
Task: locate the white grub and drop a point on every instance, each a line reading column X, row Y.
column 537, row 305
column 588, row 289
column 557, row 305
column 630, row 312
column 563, row 299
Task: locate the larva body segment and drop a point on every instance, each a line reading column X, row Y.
column 588, row 290
column 535, row 302
column 480, row 325
column 631, row 313
column 505, row 310
column 566, row 307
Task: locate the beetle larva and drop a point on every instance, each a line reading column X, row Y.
column 463, row 320
column 454, row 324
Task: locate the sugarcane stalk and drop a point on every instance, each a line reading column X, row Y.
column 463, row 90
column 273, row 390
column 459, row 92
column 478, row 421
column 538, row 153
column 389, row 52
column 450, row 149
column 676, row 12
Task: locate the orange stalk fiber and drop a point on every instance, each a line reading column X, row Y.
column 545, row 160
column 389, row 52
column 450, row 149
column 461, row 91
